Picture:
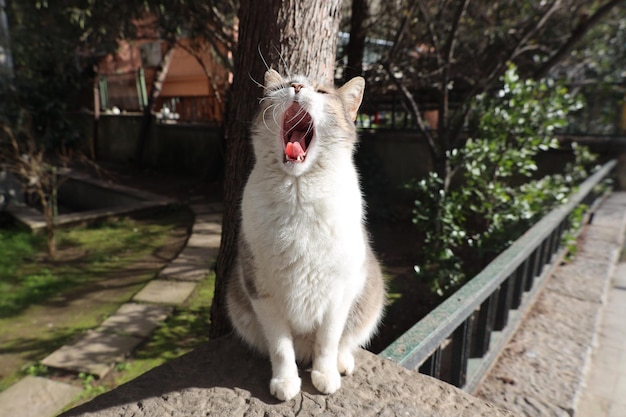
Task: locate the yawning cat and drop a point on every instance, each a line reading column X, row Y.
column 306, row 284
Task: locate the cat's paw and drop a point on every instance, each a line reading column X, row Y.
column 345, row 363
column 285, row 388
column 326, row 382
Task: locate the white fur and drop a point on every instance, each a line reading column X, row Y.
column 303, row 223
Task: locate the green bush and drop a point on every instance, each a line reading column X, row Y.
column 492, row 195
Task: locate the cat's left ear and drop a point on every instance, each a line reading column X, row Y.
column 271, row 80
column 352, row 94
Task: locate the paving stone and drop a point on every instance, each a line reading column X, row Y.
column 36, row 397
column 204, row 241
column 95, row 353
column 619, row 276
column 608, row 233
column 562, row 317
column 223, row 378
column 193, row 263
column 212, row 221
column 609, row 216
column 135, row 319
column 189, row 266
column 184, row 272
column 617, row 199
column 160, row 291
column 584, row 279
column 599, row 250
column 537, row 375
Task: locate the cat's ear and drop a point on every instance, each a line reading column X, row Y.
column 271, row 80
column 352, row 94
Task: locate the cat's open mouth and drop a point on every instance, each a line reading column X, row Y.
column 297, row 133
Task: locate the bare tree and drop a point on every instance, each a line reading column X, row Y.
column 24, row 158
column 455, row 50
column 292, row 36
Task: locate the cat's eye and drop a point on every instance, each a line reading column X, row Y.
column 323, row 91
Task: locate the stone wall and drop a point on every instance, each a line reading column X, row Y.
column 223, row 378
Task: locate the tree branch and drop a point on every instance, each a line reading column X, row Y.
column 448, row 53
column 431, row 31
column 577, row 34
column 194, row 53
column 401, row 32
column 435, row 149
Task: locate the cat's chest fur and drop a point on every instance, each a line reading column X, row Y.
column 306, row 237
column 306, row 285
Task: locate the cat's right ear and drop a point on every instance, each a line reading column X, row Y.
column 272, row 80
column 352, row 95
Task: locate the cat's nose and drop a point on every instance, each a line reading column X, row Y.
column 297, row 87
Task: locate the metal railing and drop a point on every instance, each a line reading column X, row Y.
column 459, row 340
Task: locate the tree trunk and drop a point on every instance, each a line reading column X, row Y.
column 356, row 45
column 293, row 37
column 50, row 230
column 157, row 85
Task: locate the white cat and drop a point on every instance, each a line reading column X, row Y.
column 306, row 285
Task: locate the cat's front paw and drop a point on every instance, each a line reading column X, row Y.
column 326, row 382
column 285, row 388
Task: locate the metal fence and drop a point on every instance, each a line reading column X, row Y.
column 459, row 340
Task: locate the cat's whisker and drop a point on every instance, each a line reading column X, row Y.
column 282, row 59
column 258, row 84
column 274, row 114
column 267, row 67
column 273, row 107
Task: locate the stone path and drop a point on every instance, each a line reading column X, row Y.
column 97, row 351
column 604, row 390
column 540, row 372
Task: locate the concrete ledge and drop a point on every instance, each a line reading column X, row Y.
column 223, row 378
column 541, row 370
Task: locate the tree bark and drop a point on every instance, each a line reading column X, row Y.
column 157, row 85
column 293, row 37
column 356, row 45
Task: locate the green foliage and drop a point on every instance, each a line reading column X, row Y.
column 37, row 369
column 48, row 74
column 91, row 388
column 494, row 193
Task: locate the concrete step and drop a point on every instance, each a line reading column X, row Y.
column 36, row 397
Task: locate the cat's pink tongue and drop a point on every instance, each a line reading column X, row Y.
column 294, row 150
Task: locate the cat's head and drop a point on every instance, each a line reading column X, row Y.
column 302, row 123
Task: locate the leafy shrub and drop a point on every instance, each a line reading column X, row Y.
column 494, row 195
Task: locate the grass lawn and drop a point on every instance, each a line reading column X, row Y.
column 86, row 255
column 45, row 303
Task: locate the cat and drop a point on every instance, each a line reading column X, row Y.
column 306, row 284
